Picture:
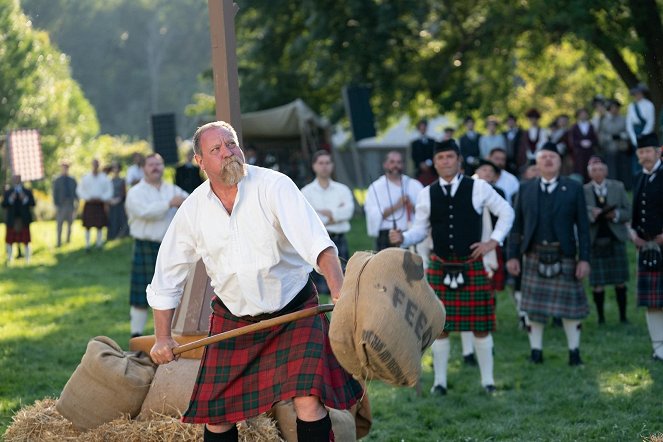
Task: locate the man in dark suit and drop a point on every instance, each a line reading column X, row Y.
column 187, row 176
column 17, row 200
column 609, row 210
column 549, row 212
column 469, row 147
column 647, row 234
column 422, row 155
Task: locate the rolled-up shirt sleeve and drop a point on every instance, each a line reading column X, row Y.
column 421, row 225
column 299, row 222
column 498, row 206
column 177, row 256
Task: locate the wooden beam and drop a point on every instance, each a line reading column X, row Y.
column 224, row 62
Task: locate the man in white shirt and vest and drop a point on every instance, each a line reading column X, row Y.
column 151, row 205
column 451, row 209
column 333, row 203
column 96, row 190
column 259, row 239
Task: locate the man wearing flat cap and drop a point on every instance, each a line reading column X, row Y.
column 551, row 233
column 647, row 234
column 609, row 211
column 451, row 209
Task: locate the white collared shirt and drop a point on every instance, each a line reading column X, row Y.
column 337, row 198
column 551, row 187
column 648, row 114
column 584, row 127
column 258, row 257
column 657, row 165
column 509, row 184
column 93, row 186
column 134, row 174
column 383, row 194
column 148, row 209
column 483, row 195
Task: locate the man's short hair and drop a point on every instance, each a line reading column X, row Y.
column 496, row 149
column 320, row 153
column 199, row 132
column 153, row 155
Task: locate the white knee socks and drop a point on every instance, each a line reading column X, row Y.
column 27, row 253
column 87, row 238
column 536, row 335
column 467, row 339
column 441, row 349
column 655, row 326
column 10, row 252
column 484, row 351
column 100, row 240
column 572, row 330
column 138, row 320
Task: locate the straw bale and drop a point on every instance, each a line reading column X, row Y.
column 42, row 422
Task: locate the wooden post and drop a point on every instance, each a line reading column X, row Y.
column 192, row 315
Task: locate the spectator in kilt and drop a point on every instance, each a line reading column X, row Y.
column 609, row 209
column 390, row 201
column 647, row 234
column 151, row 205
column 550, row 212
column 17, row 201
column 259, row 239
column 65, row 200
column 96, row 190
column 452, row 210
column 334, row 204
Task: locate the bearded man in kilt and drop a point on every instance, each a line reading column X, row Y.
column 647, row 234
column 259, row 239
column 151, row 205
column 18, row 201
column 608, row 209
column 550, row 213
column 451, row 209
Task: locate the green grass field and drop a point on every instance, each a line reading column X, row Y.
column 51, row 308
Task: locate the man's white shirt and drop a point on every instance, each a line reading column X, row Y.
column 93, row 186
column 381, row 195
column 149, row 211
column 337, row 198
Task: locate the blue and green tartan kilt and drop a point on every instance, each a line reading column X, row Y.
column 650, row 287
column 142, row 270
column 471, row 306
column 609, row 270
column 245, row 376
column 562, row 296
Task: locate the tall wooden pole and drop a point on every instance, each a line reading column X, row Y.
column 224, row 62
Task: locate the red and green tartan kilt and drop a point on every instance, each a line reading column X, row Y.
column 94, row 215
column 17, row 236
column 471, row 306
column 650, row 288
column 610, row 269
column 243, row 377
column 562, row 296
column 499, row 276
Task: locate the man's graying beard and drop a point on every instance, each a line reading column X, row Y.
column 232, row 171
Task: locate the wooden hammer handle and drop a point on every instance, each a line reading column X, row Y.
column 262, row 325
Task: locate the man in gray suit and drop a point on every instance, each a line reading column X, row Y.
column 609, row 210
column 65, row 200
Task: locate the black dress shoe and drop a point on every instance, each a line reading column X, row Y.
column 574, row 357
column 438, row 390
column 536, row 357
column 490, row 389
column 470, row 359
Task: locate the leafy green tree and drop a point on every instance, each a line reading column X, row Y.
column 36, row 90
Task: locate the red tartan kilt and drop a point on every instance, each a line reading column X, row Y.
column 94, row 215
column 21, row 236
column 499, row 276
column 243, row 377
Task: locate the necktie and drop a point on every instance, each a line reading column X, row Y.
column 546, row 187
column 447, row 189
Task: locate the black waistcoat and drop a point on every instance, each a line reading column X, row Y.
column 648, row 206
column 455, row 225
column 544, row 225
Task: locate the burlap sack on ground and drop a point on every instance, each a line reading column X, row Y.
column 171, row 389
column 343, row 422
column 107, row 384
column 386, row 317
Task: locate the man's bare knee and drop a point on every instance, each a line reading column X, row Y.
column 219, row 428
column 309, row 408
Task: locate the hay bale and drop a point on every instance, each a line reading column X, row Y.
column 42, row 422
column 386, row 317
column 171, row 388
column 106, row 384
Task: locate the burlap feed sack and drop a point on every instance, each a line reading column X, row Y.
column 145, row 343
column 171, row 389
column 386, row 317
column 106, row 384
column 343, row 422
